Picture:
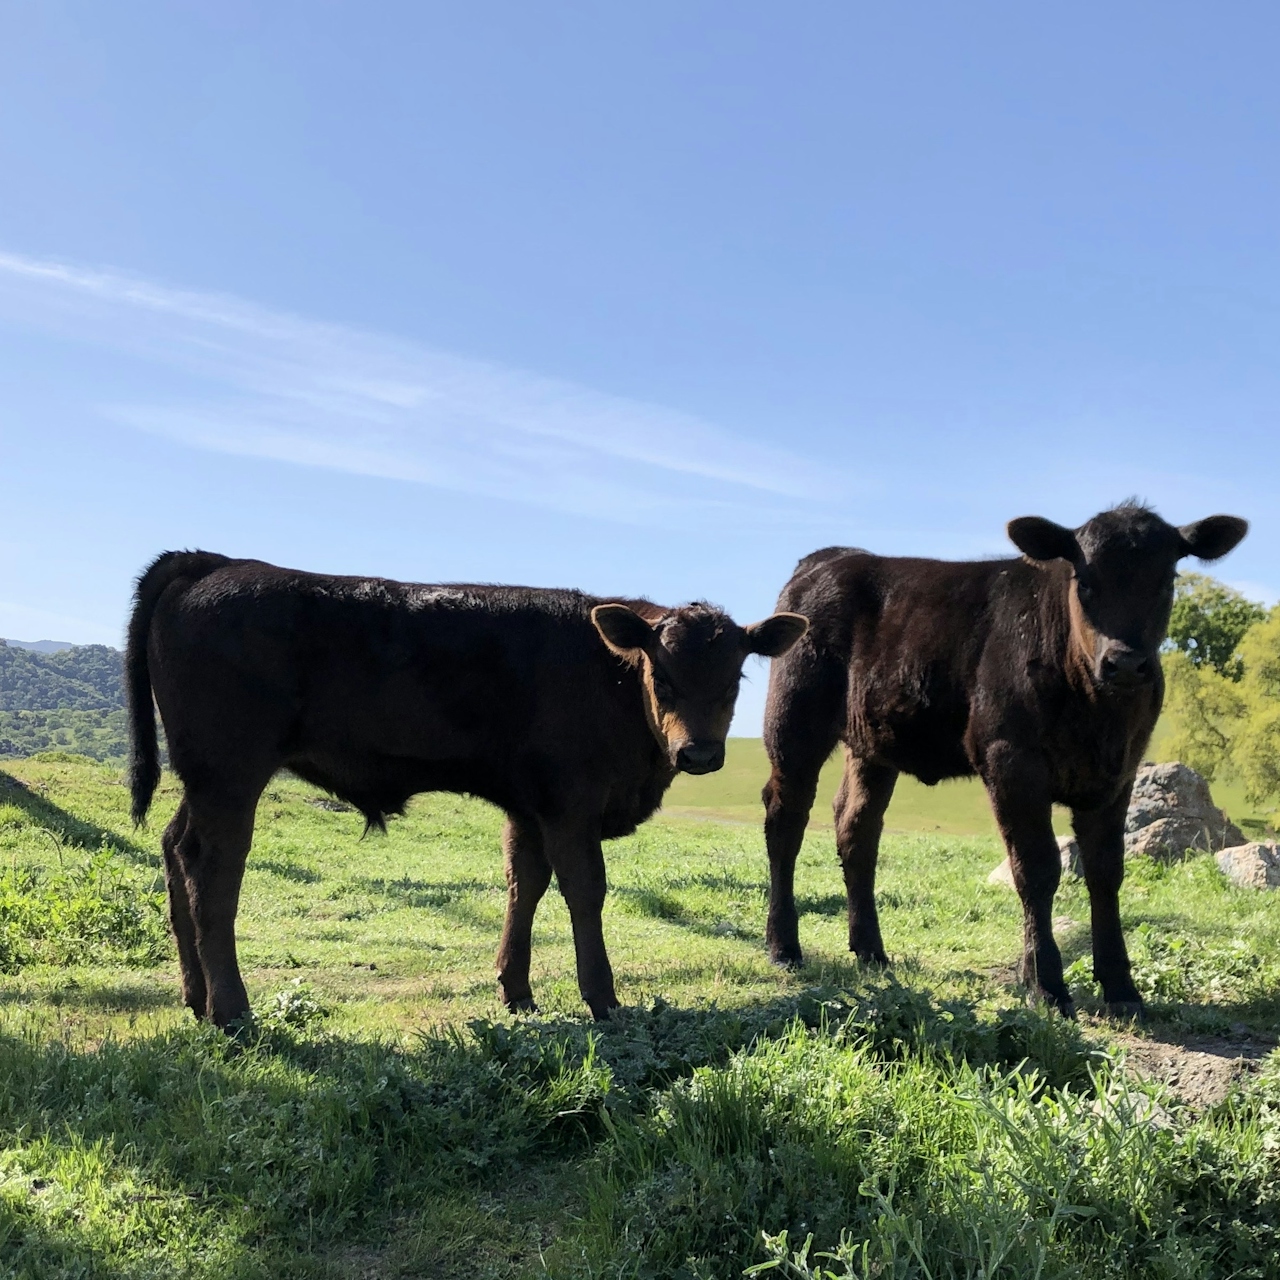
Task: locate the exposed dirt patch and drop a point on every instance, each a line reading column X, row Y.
column 1201, row 1070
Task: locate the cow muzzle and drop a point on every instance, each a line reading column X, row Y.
column 1121, row 667
column 700, row 757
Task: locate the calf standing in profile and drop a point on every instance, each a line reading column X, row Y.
column 571, row 713
column 1040, row 675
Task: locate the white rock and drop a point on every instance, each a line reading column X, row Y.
column 1251, row 866
column 1003, row 874
column 1068, row 854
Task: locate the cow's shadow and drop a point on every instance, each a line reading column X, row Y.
column 89, row 994
column 66, row 829
column 464, row 1104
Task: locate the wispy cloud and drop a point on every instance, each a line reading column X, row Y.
column 269, row 385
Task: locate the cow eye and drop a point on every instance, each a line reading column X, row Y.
column 662, row 688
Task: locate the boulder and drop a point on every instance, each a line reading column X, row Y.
column 1251, row 866
column 1003, row 874
column 1171, row 813
column 1068, row 852
column 1069, row 855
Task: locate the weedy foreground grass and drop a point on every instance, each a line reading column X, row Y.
column 384, row 1118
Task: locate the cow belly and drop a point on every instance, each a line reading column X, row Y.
column 928, row 747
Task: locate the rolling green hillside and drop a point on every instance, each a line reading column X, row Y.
column 958, row 807
column 84, row 678
column 953, row 808
column 69, row 701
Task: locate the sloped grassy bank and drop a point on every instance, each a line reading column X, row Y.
column 382, row 1119
column 912, row 1138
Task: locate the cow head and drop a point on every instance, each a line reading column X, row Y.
column 690, row 661
column 1123, row 565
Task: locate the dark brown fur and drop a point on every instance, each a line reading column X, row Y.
column 377, row 690
column 1041, row 675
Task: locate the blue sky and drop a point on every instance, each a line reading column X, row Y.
column 651, row 298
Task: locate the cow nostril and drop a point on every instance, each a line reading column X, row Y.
column 700, row 757
column 1125, row 665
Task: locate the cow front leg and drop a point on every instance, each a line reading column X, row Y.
column 1100, row 834
column 578, row 861
column 1019, row 789
column 860, row 804
column 528, row 875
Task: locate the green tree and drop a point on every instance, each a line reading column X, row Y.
column 1222, row 726
column 1204, row 710
column 1255, row 750
column 1208, row 622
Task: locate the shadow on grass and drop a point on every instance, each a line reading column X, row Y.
column 407, row 892
column 272, row 1147
column 285, row 870
column 96, row 995
column 1242, row 1023
column 65, row 828
column 826, row 904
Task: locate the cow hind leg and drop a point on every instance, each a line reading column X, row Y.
column 1101, row 837
column 194, row 992
column 860, row 804
column 528, row 875
column 211, row 856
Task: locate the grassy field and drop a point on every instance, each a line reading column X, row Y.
column 957, row 807
column 385, row 1118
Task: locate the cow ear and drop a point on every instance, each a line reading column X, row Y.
column 622, row 629
column 1213, row 536
column 774, row 636
column 1041, row 539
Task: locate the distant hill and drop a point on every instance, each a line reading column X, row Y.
column 65, row 699
column 40, row 646
column 85, row 677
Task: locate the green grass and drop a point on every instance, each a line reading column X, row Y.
column 385, row 1118
column 956, row 807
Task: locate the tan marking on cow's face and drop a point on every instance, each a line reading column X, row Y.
column 652, row 711
column 1084, row 639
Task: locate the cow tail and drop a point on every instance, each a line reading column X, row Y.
column 144, row 747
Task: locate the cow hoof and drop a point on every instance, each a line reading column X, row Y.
column 1060, row 1004
column 1126, row 1010
column 525, row 1005
column 788, row 957
column 876, row 959
column 603, row 1010
column 239, row 1029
